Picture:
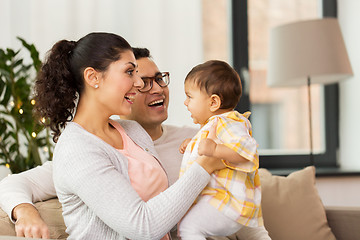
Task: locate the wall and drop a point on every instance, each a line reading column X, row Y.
column 339, row 191
column 344, row 191
column 4, row 171
column 349, row 155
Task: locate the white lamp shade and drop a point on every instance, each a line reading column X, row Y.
column 313, row 48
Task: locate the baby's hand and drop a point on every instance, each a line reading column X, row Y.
column 207, row 147
column 184, row 145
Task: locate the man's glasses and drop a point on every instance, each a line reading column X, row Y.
column 162, row 79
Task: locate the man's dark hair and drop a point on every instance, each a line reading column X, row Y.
column 141, row 53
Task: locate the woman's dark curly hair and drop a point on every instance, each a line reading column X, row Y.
column 60, row 81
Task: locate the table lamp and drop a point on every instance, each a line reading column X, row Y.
column 307, row 52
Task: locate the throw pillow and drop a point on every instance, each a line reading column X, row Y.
column 292, row 208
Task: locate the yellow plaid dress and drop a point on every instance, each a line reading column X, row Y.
column 235, row 190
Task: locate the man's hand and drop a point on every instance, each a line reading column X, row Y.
column 184, row 145
column 29, row 223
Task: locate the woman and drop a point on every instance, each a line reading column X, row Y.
column 106, row 188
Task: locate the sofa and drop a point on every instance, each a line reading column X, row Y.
column 291, row 206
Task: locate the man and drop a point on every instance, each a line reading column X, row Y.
column 150, row 110
column 18, row 191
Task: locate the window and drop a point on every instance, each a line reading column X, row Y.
column 281, row 122
column 216, row 35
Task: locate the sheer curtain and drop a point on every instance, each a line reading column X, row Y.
column 171, row 29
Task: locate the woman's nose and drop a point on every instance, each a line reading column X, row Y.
column 138, row 82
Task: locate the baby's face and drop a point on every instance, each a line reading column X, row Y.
column 198, row 103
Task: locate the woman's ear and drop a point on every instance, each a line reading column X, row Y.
column 215, row 103
column 91, row 77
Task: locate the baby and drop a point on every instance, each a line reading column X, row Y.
column 232, row 198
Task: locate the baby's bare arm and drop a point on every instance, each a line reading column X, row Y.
column 210, row 148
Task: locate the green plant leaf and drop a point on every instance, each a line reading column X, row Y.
column 13, row 148
column 17, row 63
column 35, row 153
column 6, row 136
column 2, row 86
column 6, row 122
column 33, row 53
column 4, row 72
column 6, row 97
column 18, row 165
column 11, row 53
column 16, row 81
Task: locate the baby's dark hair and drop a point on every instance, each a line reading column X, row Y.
column 60, row 80
column 141, row 53
column 217, row 77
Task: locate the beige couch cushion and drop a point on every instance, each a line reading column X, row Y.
column 292, row 208
column 6, row 226
column 50, row 212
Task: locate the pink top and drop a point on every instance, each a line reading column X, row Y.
column 147, row 176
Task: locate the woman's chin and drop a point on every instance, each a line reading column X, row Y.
column 125, row 111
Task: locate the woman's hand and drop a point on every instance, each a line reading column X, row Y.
column 210, row 164
column 29, row 223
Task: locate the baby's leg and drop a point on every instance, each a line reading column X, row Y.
column 253, row 233
column 203, row 220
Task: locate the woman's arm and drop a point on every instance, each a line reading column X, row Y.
column 89, row 177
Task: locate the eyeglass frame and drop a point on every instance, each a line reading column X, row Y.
column 165, row 75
